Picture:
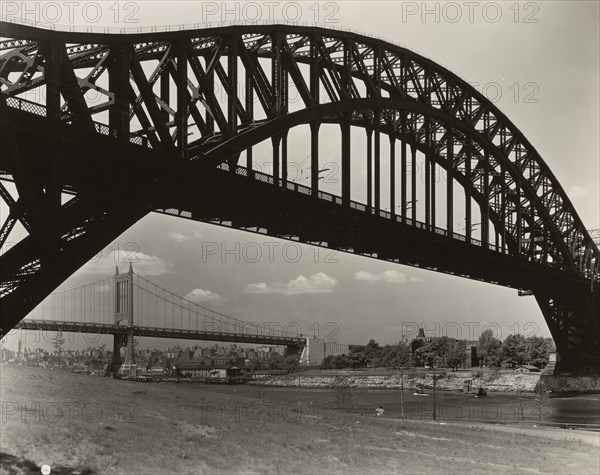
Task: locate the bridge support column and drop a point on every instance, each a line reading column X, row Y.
column 345, row 126
column 573, row 318
column 292, row 350
column 123, row 310
column 119, row 341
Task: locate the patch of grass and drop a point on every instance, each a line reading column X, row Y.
column 169, row 428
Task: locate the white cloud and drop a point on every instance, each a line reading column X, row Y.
column 204, row 296
column 177, row 237
column 180, row 237
column 143, row 264
column 389, row 276
column 578, row 191
column 319, row 283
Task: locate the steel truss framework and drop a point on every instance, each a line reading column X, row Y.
column 160, row 121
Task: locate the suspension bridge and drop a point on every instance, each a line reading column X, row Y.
column 174, row 133
column 128, row 305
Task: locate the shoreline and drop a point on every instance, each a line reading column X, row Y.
column 459, row 382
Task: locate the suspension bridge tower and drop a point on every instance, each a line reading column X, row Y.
column 124, row 317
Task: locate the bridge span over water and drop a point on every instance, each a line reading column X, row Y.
column 162, row 139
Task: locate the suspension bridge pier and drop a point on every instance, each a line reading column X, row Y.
column 293, row 350
column 123, row 290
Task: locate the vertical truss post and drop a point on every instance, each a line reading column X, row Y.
column 314, row 68
column 377, row 127
column 314, row 158
column 369, row 132
column 284, row 137
column 315, row 125
column 413, row 184
column 450, row 181
column 118, row 80
column 392, row 175
column 165, row 93
column 427, row 177
column 403, row 165
column 277, row 106
column 433, row 180
column 232, row 72
column 485, row 209
column 52, row 73
column 277, row 73
column 276, row 141
column 249, row 102
column 377, row 171
column 182, row 98
column 345, row 125
column 468, row 183
column 517, row 198
column 503, row 213
column 232, row 93
column 284, row 164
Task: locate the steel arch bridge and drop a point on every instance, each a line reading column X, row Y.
column 173, row 132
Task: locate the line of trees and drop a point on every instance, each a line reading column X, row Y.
column 514, row 351
column 393, row 356
column 445, row 352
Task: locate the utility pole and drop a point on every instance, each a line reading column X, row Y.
column 434, row 380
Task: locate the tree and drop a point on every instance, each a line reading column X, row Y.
column 491, row 348
column 398, row 356
column 428, row 353
column 457, row 354
column 537, row 350
column 356, row 360
column 372, row 353
column 514, row 351
column 58, row 344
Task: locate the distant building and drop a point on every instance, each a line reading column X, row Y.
column 316, row 350
column 418, row 342
column 7, row 355
column 527, row 369
column 196, row 370
column 263, row 373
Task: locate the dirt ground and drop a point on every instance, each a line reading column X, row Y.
column 85, row 424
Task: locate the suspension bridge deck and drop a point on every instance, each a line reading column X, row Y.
column 108, row 329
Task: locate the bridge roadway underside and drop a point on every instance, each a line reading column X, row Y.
column 144, row 180
column 122, row 330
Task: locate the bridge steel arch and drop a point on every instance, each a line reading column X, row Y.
column 161, row 121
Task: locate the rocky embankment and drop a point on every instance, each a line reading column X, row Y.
column 448, row 382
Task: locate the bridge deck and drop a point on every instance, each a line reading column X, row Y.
column 107, row 329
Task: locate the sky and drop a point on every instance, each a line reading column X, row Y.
column 539, row 63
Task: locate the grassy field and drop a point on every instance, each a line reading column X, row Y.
column 84, row 424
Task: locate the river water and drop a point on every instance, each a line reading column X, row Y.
column 563, row 410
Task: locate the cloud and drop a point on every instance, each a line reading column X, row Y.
column 319, row 283
column 578, row 191
column 177, row 237
column 180, row 237
column 143, row 264
column 388, row 276
column 204, row 296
